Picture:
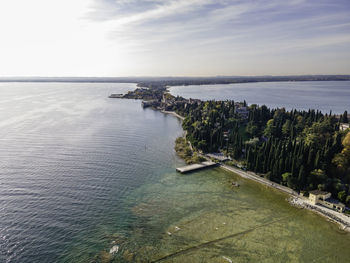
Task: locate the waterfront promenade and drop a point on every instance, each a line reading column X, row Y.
column 255, row 177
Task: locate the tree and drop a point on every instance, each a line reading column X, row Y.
column 298, row 144
column 285, row 177
column 342, row 159
column 345, row 117
column 301, row 177
column 347, row 200
column 251, row 128
column 286, row 128
column 270, row 129
column 342, row 196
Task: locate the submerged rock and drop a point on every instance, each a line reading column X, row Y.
column 114, row 250
column 227, row 259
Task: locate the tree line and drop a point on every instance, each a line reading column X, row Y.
column 304, row 150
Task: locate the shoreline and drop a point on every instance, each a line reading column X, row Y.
column 342, row 220
column 295, row 199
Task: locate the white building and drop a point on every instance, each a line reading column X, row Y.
column 318, row 197
column 343, row 126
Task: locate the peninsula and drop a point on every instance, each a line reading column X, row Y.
column 297, row 152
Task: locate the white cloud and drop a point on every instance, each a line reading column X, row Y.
column 41, row 37
column 167, row 37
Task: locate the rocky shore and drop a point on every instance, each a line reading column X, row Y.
column 341, row 219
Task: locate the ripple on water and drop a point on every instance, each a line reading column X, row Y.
column 81, row 174
column 69, row 157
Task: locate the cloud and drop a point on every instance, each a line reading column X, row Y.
column 196, row 37
column 198, row 22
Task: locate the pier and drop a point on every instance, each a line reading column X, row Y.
column 116, row 96
column 195, row 167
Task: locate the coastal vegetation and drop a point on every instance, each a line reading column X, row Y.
column 304, row 150
column 183, row 150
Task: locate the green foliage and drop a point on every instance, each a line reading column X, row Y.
column 286, row 177
column 184, row 151
column 270, row 129
column 251, row 128
column 347, row 200
column 286, row 128
column 344, row 117
column 302, row 149
column 342, row 196
column 342, row 159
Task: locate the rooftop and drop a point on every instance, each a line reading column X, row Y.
column 334, row 201
column 318, row 192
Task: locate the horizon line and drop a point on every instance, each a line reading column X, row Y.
column 170, row 76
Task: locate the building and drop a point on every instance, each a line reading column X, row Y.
column 344, row 126
column 318, row 197
column 242, row 111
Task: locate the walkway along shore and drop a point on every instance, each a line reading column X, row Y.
column 295, row 199
column 255, row 177
column 173, row 113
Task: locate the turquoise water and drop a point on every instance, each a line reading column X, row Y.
column 81, row 174
column 302, row 95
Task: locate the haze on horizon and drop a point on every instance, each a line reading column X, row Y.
column 174, row 37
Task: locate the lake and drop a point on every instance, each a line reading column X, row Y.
column 82, row 175
column 302, row 95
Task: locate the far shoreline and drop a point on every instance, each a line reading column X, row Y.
column 182, row 80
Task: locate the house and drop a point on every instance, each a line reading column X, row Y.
column 343, row 126
column 242, row 111
column 318, row 197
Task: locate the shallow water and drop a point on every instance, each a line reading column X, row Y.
column 200, row 217
column 81, row 174
column 302, row 95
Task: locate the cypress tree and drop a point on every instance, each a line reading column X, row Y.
column 317, row 160
column 301, row 177
column 310, row 159
column 345, row 117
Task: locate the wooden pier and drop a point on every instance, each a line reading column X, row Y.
column 195, row 167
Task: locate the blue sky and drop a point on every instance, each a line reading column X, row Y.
column 174, row 37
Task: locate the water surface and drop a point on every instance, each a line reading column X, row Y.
column 81, row 174
column 302, row 95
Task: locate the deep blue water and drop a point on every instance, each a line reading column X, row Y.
column 321, row 95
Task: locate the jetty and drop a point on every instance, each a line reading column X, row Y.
column 116, row 96
column 195, row 167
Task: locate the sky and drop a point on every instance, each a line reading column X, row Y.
column 114, row 38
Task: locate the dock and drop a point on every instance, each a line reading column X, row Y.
column 195, row 167
column 116, row 96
